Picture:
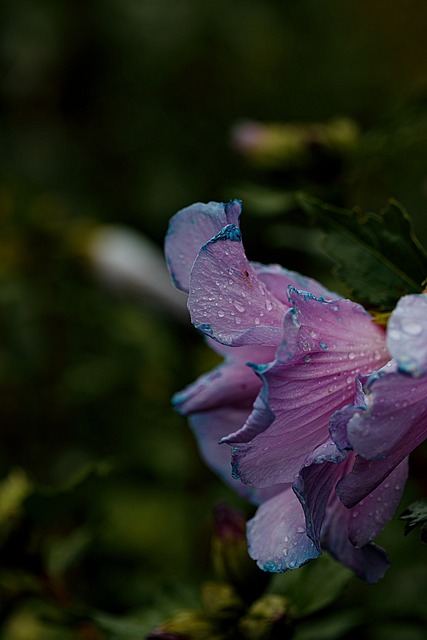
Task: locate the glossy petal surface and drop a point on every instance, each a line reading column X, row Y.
column 276, row 535
column 369, row 562
column 326, row 344
column 190, row 229
column 370, row 516
column 407, row 334
column 227, row 300
column 395, row 418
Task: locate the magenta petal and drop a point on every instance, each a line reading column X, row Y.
column 227, row 300
column 208, row 427
column 278, row 280
column 369, row 562
column 395, row 418
column 326, row 345
column 315, row 482
column 217, row 403
column 276, row 535
column 370, row 516
column 190, row 229
column 407, row 334
column 232, row 385
column 365, row 477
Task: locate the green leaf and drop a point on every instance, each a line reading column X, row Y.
column 377, row 254
column 312, row 587
column 416, row 517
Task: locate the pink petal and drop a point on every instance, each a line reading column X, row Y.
column 371, row 514
column 276, row 535
column 190, row 229
column 227, row 300
column 395, row 417
column 326, row 345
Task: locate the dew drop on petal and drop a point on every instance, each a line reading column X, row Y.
column 257, row 320
column 412, row 328
column 238, row 320
column 221, row 313
column 239, row 306
column 268, row 305
column 351, row 355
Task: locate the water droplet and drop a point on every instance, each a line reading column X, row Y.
column 313, row 334
column 349, row 380
column 257, row 321
column 221, row 313
column 300, row 530
column 351, row 355
column 323, row 346
column 268, row 305
column 307, row 359
column 238, row 320
column 286, row 539
column 285, row 551
column 239, row 306
column 412, row 328
column 230, row 272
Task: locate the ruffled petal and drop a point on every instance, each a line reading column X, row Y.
column 217, row 403
column 209, row 427
column 278, row 280
column 369, row 562
column 276, row 535
column 407, row 334
column 190, row 229
column 326, row 345
column 370, row 516
column 316, row 481
column 394, row 419
column 227, row 300
column 229, row 385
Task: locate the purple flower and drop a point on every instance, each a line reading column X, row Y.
column 306, row 397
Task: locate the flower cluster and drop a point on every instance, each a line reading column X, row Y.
column 320, row 404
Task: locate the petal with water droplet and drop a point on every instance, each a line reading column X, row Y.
column 190, row 229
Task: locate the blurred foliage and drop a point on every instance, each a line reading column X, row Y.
column 123, row 111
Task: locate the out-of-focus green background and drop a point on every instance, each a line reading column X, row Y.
column 120, row 112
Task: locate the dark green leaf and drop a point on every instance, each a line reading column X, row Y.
column 377, row 254
column 416, row 517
